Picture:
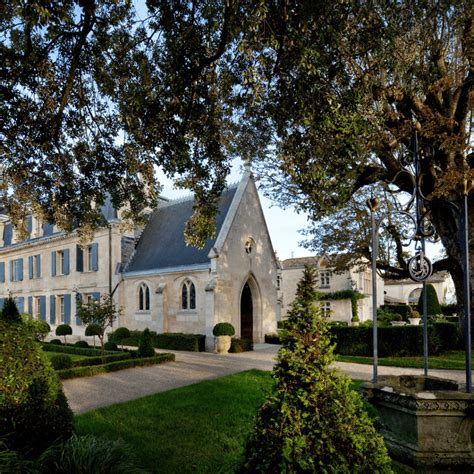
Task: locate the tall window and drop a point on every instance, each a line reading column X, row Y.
column 188, row 295
column 326, row 308
column 88, row 259
column 61, row 309
column 36, row 307
column 144, row 297
column 324, row 279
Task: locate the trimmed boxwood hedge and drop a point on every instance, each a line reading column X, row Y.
column 403, row 310
column 395, row 341
column 238, row 345
column 272, row 338
column 113, row 366
column 171, row 341
column 75, row 350
column 101, row 360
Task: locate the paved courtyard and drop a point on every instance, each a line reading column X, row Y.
column 87, row 393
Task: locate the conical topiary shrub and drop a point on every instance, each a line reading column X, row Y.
column 313, row 422
column 145, row 346
column 10, row 312
column 432, row 303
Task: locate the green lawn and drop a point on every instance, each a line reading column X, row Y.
column 449, row 360
column 198, row 428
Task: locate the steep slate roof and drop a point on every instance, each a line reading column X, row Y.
column 300, row 262
column 162, row 244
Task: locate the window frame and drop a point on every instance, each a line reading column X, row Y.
column 144, row 297
column 188, row 296
column 325, row 307
column 325, row 277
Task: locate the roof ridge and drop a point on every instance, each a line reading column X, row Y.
column 190, row 197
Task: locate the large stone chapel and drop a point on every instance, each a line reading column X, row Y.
column 159, row 282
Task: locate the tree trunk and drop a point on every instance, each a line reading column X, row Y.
column 448, row 223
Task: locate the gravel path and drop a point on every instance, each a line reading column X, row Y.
column 87, row 393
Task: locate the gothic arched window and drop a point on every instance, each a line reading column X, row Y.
column 188, row 295
column 143, row 297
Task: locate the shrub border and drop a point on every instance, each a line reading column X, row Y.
column 113, row 366
column 90, row 352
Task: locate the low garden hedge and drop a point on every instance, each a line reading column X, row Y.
column 392, row 341
column 171, row 341
column 395, row 341
column 272, row 338
column 97, row 360
column 238, row 345
column 75, row 350
column 113, row 366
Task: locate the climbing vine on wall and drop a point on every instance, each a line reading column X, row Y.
column 354, row 296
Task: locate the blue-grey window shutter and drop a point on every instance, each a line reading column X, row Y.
column 38, row 266
column 42, row 308
column 66, row 261
column 30, row 267
column 7, row 235
column 78, row 305
column 52, row 309
column 30, row 305
column 2, row 272
column 53, row 264
column 11, row 270
column 20, row 304
column 95, row 256
column 96, row 296
column 79, row 259
column 2, row 302
column 67, row 309
column 20, row 269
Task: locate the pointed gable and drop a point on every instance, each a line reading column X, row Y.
column 162, row 244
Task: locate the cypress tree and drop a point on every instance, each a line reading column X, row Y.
column 313, row 421
column 432, row 303
column 10, row 312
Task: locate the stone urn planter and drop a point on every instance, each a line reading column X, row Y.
column 223, row 344
column 425, row 421
column 223, row 333
column 398, row 323
column 414, row 321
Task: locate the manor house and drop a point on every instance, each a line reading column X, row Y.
column 157, row 280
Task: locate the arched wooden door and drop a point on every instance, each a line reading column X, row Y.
column 246, row 313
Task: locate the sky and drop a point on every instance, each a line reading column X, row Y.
column 283, row 225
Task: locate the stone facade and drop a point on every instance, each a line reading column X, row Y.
column 157, row 280
column 408, row 291
column 358, row 279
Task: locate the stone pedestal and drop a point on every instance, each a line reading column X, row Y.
column 425, row 421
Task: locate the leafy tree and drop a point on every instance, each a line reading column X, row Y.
column 101, row 313
column 64, row 330
column 93, row 330
column 10, row 312
column 324, row 96
column 432, row 302
column 313, row 421
column 39, row 327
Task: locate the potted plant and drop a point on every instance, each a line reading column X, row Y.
column 223, row 333
column 414, row 318
column 397, row 320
